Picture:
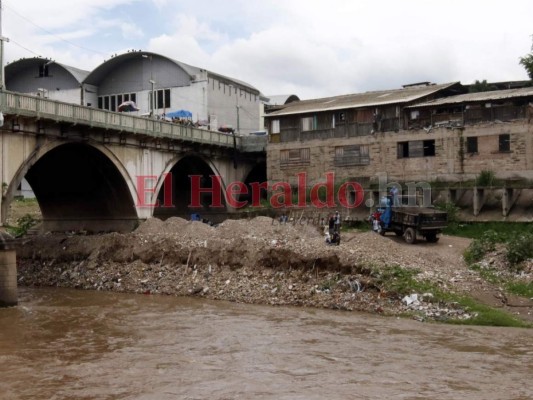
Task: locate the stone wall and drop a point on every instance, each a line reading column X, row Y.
column 451, row 163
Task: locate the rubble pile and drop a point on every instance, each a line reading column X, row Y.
column 258, row 261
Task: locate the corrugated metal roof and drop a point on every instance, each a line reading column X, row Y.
column 97, row 74
column 77, row 73
column 367, row 99
column 281, row 99
column 478, row 97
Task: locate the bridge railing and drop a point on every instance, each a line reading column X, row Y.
column 32, row 106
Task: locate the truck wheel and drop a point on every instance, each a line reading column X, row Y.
column 381, row 229
column 410, row 236
column 432, row 238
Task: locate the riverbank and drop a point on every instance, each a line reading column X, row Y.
column 261, row 261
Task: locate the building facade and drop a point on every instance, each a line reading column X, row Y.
column 155, row 83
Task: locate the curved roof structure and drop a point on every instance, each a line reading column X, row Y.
column 100, row 72
column 280, row 100
column 15, row 67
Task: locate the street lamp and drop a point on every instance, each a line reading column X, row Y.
column 237, row 107
column 152, row 82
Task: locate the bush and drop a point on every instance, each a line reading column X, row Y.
column 485, row 178
column 452, row 210
column 520, row 248
column 479, row 247
column 24, row 224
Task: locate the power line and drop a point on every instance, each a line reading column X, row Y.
column 25, row 48
column 53, row 34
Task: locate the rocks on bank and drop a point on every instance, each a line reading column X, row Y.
column 257, row 261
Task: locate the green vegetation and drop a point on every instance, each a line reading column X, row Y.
column 481, row 246
column 481, row 86
column 485, row 315
column 517, row 238
column 453, row 213
column 486, row 178
column 520, row 288
column 477, row 229
column 527, row 63
column 519, row 248
column 402, row 282
column 24, row 224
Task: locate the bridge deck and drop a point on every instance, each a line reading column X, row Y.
column 31, row 106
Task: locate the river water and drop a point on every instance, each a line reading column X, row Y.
column 67, row 344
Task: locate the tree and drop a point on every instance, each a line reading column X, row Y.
column 481, row 86
column 527, row 63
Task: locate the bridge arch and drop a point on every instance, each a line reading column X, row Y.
column 78, row 186
column 256, row 175
column 177, row 174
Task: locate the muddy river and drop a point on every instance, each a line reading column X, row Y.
column 66, row 344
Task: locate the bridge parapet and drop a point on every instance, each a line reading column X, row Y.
column 37, row 107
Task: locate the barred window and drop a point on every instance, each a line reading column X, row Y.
column 471, row 145
column 416, row 148
column 504, row 143
column 351, row 155
column 294, row 157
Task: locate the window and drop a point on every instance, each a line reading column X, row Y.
column 162, row 98
column 274, row 126
column 471, row 145
column 294, row 157
column 504, row 143
column 351, row 155
column 416, row 148
column 43, row 70
column 309, row 123
column 112, row 102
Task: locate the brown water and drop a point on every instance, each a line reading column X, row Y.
column 65, row 344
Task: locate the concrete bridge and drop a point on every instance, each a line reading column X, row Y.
column 97, row 170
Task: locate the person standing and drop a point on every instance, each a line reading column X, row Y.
column 337, row 222
column 331, row 224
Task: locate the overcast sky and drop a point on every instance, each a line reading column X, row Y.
column 312, row 48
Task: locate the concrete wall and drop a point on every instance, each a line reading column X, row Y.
column 223, row 101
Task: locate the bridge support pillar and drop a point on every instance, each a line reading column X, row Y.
column 509, row 199
column 479, row 200
column 8, row 271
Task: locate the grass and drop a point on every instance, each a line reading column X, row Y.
column 486, row 316
column 477, row 229
column 520, row 288
column 402, row 282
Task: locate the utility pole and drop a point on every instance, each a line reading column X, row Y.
column 152, row 82
column 2, row 40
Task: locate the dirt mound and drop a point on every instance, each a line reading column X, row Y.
column 259, row 260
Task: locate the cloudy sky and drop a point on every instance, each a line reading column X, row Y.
column 311, row 48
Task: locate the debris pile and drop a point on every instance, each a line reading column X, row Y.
column 258, row 261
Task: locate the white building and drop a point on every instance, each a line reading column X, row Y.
column 213, row 99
